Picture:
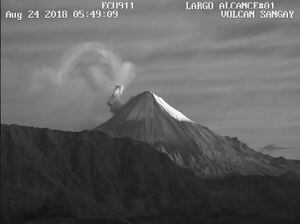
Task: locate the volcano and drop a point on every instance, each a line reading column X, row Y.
column 148, row 118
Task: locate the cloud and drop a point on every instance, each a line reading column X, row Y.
column 247, row 30
column 250, row 30
column 173, row 53
column 47, row 4
column 281, row 50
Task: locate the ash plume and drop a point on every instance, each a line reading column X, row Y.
column 114, row 101
column 77, row 83
column 90, row 62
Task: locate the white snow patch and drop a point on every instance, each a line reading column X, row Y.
column 173, row 112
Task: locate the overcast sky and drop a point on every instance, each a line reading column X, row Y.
column 237, row 77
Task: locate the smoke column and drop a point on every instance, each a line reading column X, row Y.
column 114, row 102
column 75, row 88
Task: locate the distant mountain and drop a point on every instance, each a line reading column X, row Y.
column 147, row 117
column 87, row 177
column 281, row 151
column 273, row 148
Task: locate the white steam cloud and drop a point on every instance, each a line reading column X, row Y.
column 93, row 63
column 75, row 86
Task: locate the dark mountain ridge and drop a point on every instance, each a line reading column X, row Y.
column 89, row 177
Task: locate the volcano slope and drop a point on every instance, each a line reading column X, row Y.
column 86, row 177
column 147, row 117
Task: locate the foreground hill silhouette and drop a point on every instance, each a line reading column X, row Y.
column 51, row 176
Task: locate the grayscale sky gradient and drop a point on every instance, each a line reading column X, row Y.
column 237, row 77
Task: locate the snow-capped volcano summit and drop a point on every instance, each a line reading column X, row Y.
column 147, row 117
column 147, row 103
column 173, row 112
